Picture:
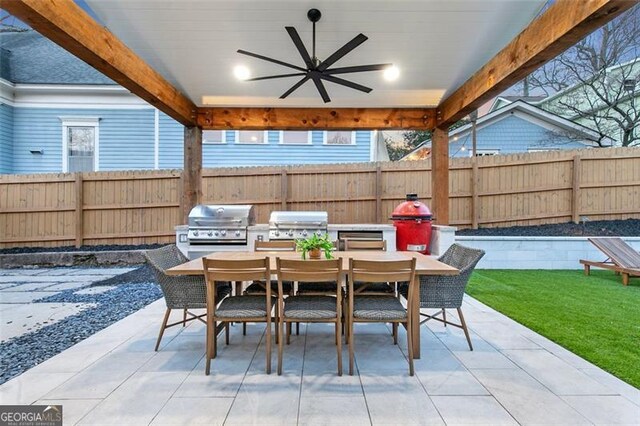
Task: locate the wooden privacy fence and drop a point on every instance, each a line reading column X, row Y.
column 142, row 207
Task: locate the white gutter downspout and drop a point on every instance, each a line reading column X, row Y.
column 156, row 140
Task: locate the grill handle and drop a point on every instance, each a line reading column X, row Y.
column 199, row 221
column 298, row 223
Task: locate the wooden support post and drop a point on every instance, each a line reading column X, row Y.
column 192, row 173
column 284, row 189
column 378, row 194
column 440, row 175
column 475, row 199
column 575, row 195
column 79, row 210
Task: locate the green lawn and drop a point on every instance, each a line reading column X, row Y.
column 595, row 317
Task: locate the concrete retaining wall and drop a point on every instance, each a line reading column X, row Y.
column 536, row 252
column 78, row 258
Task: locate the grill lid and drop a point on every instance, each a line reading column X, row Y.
column 411, row 209
column 214, row 215
column 299, row 219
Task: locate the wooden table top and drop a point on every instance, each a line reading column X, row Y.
column 425, row 265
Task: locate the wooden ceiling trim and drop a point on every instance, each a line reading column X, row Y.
column 66, row 24
column 560, row 27
column 219, row 118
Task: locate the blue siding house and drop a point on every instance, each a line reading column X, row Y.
column 60, row 115
column 514, row 128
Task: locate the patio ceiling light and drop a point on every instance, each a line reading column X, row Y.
column 392, row 73
column 241, row 72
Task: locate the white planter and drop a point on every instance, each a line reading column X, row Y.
column 536, row 252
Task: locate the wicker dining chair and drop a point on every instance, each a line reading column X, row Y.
column 180, row 292
column 238, row 308
column 368, row 308
column 310, row 308
column 446, row 292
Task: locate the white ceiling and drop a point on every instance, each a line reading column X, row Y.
column 436, row 44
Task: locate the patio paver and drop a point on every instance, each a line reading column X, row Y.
column 116, row 377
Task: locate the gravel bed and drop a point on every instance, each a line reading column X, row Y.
column 65, row 249
column 134, row 290
column 598, row 228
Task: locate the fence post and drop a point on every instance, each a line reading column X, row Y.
column 475, row 199
column 379, row 194
column 575, row 194
column 79, row 210
column 284, row 189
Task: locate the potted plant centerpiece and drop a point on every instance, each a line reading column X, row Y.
column 314, row 245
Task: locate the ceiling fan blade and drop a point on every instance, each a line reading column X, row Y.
column 295, row 87
column 295, row 37
column 335, row 57
column 347, row 83
column 275, row 61
column 321, row 89
column 269, row 77
column 359, row 68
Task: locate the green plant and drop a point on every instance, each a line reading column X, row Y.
column 315, row 242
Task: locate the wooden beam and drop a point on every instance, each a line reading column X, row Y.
column 316, row 118
column 560, row 27
column 192, row 173
column 66, row 24
column 440, row 176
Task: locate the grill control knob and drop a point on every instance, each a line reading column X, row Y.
column 223, row 232
column 290, row 233
column 276, row 233
column 195, row 233
column 216, row 233
column 210, row 233
column 237, row 233
column 304, row 233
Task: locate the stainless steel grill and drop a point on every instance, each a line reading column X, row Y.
column 220, row 224
column 285, row 225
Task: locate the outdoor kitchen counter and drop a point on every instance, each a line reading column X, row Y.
column 338, row 227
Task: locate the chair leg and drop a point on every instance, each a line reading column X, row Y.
column 297, row 329
column 184, row 318
column 244, row 328
column 280, row 346
column 409, row 345
column 339, row 345
column 464, row 328
column 210, row 332
column 351, row 346
column 288, row 333
column 395, row 333
column 226, row 333
column 444, row 316
column 163, row 327
column 268, row 348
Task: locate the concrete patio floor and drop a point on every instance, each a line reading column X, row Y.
column 513, row 376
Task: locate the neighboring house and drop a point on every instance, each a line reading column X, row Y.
column 621, row 83
column 58, row 114
column 517, row 127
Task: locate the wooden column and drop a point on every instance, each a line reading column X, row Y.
column 440, row 175
column 192, row 173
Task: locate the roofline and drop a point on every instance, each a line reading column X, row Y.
column 533, row 110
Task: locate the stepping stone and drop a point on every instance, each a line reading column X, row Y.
column 95, row 290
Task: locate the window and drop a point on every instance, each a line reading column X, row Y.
column 340, row 137
column 213, row 136
column 485, row 152
column 80, row 144
column 295, row 137
column 251, row 136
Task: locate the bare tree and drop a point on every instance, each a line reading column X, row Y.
column 597, row 82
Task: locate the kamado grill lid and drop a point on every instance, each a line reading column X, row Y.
column 411, row 209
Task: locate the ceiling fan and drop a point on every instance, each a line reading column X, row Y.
column 317, row 70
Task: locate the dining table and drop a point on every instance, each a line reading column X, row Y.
column 425, row 265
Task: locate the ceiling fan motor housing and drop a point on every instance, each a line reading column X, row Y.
column 314, row 15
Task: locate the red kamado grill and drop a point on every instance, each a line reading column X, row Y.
column 412, row 220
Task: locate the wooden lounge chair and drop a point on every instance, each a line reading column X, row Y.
column 621, row 258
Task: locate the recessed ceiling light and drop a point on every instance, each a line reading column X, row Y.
column 392, row 73
column 241, row 72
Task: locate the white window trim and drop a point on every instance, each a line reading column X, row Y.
column 308, row 142
column 265, row 139
column 80, row 122
column 324, row 139
column 224, row 139
column 484, row 151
